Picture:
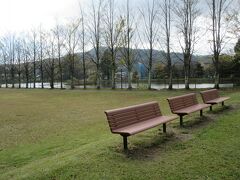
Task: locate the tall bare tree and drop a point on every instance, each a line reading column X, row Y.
column 96, row 32
column 34, row 55
column 167, row 15
column 83, row 45
column 186, row 13
column 8, row 42
column 218, row 8
column 150, row 14
column 5, row 61
column 113, row 28
column 12, row 58
column 58, row 32
column 7, row 50
column 72, row 40
column 4, row 57
column 19, row 62
column 26, row 61
column 127, row 40
column 50, row 60
column 1, row 62
column 41, row 55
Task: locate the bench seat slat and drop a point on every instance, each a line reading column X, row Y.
column 144, row 125
column 192, row 109
column 217, row 100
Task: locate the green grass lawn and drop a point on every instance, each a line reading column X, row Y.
column 64, row 134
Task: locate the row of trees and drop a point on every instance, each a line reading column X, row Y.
column 114, row 34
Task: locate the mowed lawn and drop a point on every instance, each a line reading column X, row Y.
column 64, row 134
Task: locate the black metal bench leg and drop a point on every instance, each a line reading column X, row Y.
column 210, row 108
column 223, row 103
column 164, row 128
column 201, row 112
column 125, row 143
column 181, row 120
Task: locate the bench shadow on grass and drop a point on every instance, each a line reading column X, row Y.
column 221, row 109
column 144, row 147
column 197, row 122
column 210, row 116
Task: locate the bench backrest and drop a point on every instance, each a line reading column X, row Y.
column 118, row 118
column 184, row 101
column 209, row 95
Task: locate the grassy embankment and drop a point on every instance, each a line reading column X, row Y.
column 54, row 134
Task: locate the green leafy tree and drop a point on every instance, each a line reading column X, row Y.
column 226, row 66
column 106, row 65
column 237, row 59
column 198, row 70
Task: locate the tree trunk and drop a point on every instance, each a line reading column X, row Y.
column 98, row 77
column 187, row 61
column 149, row 80
column 52, row 81
column 41, row 60
column 13, row 76
column 170, row 70
column 84, row 73
column 217, row 74
column 113, row 78
column 113, row 70
column 186, row 75
column 217, row 80
column 170, row 80
column 34, row 60
column 72, row 72
column 27, row 80
column 41, row 69
column 60, row 65
column 34, row 72
column 52, row 76
column 19, row 75
column 150, row 65
column 129, row 79
column 19, row 80
column 60, row 71
column 186, row 79
column 5, row 76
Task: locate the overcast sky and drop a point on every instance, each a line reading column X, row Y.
column 22, row 15
column 18, row 15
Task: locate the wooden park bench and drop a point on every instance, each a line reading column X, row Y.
column 134, row 119
column 185, row 104
column 212, row 97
